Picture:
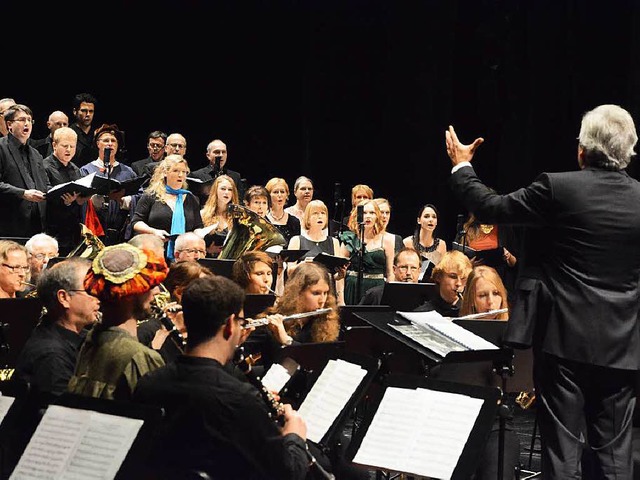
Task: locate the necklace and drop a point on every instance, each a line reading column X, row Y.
column 277, row 219
column 486, row 229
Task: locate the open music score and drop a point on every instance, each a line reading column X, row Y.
column 439, row 334
column 73, row 443
column 329, row 395
column 5, row 405
column 419, row 431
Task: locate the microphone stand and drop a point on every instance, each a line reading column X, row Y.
column 361, row 254
column 107, row 166
column 217, row 171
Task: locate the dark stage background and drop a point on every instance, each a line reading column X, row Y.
column 349, row 92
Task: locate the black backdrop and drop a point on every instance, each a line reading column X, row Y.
column 341, row 91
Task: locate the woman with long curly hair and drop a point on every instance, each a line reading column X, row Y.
column 308, row 288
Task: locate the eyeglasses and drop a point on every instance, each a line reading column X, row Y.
column 193, row 251
column 77, row 290
column 42, row 256
column 405, row 268
column 242, row 321
column 16, row 268
column 24, row 120
column 155, row 146
column 178, row 146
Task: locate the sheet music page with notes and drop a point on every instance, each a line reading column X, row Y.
column 449, row 329
column 419, row 431
column 329, row 395
column 5, row 405
column 77, row 444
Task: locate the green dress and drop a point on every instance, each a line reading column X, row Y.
column 374, row 267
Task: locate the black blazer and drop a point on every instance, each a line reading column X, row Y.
column 15, row 212
column 591, row 267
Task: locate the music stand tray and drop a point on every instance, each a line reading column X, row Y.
column 19, row 317
column 256, row 303
column 219, row 266
column 404, row 296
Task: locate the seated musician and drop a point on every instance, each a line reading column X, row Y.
column 231, row 433
column 112, row 360
column 14, row 268
column 253, row 271
column 406, row 268
column 484, row 292
column 48, row 358
column 450, row 274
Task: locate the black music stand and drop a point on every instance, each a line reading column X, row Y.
column 256, row 303
column 19, row 318
column 219, row 266
column 474, row 445
column 407, row 296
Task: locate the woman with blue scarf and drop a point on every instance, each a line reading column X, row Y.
column 167, row 208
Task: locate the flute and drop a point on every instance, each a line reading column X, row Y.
column 27, row 284
column 264, row 321
column 473, row 316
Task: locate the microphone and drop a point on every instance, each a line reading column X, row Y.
column 107, row 156
column 216, row 168
column 360, row 214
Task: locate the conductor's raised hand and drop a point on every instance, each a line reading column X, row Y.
column 457, row 151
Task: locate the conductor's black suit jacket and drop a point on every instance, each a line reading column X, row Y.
column 591, row 266
column 15, row 212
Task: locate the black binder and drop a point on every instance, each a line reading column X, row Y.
column 475, row 443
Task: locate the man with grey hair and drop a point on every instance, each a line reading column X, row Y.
column 190, row 247
column 48, row 358
column 41, row 248
column 581, row 292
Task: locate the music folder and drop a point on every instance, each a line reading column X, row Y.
column 332, row 262
column 335, row 391
column 105, row 186
column 81, row 186
column 425, row 427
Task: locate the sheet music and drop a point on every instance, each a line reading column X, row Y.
column 77, row 444
column 421, row 431
column 429, row 339
column 329, row 395
column 5, row 405
column 449, row 329
column 276, row 377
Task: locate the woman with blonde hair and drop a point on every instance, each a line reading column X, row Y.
column 484, row 292
column 377, row 259
column 215, row 215
column 166, row 207
column 316, row 240
column 287, row 224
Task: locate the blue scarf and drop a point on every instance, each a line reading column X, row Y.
column 178, row 223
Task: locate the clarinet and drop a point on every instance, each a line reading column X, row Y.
column 174, row 333
column 276, row 409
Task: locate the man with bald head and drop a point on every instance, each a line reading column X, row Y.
column 56, row 120
column 217, row 156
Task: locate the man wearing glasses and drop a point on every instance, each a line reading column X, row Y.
column 48, row 358
column 14, row 268
column 156, row 142
column 23, row 179
column 406, row 268
column 41, row 248
column 190, row 247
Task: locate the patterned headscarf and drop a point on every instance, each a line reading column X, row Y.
column 122, row 270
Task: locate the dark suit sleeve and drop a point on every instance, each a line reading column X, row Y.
column 532, row 205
